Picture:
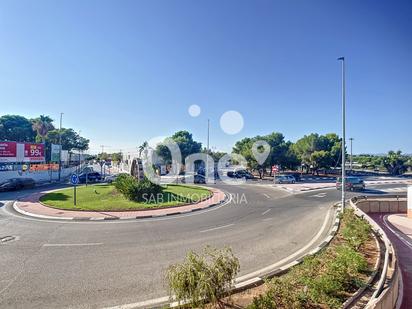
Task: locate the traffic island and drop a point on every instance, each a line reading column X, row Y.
column 100, row 202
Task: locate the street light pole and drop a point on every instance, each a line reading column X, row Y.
column 351, row 156
column 60, row 145
column 207, row 150
column 342, row 59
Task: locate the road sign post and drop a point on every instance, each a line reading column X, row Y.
column 74, row 179
column 275, row 169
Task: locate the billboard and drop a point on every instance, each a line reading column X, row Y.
column 8, row 151
column 55, row 153
column 34, row 152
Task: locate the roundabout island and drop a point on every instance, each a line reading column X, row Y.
column 105, row 197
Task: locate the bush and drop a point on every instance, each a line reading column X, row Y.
column 203, row 278
column 356, row 230
column 135, row 190
column 323, row 280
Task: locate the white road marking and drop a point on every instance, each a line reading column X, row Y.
column 318, row 195
column 401, row 238
column 267, row 196
column 217, row 228
column 73, row 245
column 290, row 257
column 267, row 219
column 265, row 212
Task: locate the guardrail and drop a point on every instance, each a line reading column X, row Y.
column 384, row 297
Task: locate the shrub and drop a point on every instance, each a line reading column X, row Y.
column 356, row 230
column 323, row 280
column 203, row 278
column 135, row 190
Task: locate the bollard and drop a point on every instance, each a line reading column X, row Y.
column 409, row 198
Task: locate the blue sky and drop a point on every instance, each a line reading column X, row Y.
column 127, row 71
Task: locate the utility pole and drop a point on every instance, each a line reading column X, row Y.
column 342, row 59
column 351, row 156
column 60, row 145
column 207, row 149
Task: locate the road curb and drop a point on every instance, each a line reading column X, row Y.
column 248, row 283
column 29, row 214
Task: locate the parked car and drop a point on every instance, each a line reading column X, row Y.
column 17, row 184
column 110, row 178
column 91, row 177
column 284, row 179
column 352, row 183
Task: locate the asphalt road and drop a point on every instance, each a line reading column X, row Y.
column 54, row 264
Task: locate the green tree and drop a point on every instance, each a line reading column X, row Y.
column 186, row 145
column 42, row 125
column 142, row 147
column 318, row 151
column 280, row 153
column 16, row 128
column 395, row 162
column 69, row 138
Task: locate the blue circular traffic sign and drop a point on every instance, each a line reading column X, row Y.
column 74, row 179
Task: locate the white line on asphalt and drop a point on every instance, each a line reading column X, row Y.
column 73, row 245
column 267, row 219
column 267, row 196
column 265, row 212
column 217, row 228
column 293, row 255
column 401, row 238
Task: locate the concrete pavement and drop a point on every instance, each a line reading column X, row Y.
column 53, row 264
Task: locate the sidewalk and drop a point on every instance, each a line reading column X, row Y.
column 31, row 206
column 399, row 230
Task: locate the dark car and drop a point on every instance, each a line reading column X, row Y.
column 351, row 184
column 17, row 184
column 198, row 178
column 243, row 174
column 91, row 177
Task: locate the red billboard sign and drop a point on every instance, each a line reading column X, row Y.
column 33, row 152
column 8, row 151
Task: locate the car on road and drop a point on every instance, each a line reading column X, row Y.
column 17, row 184
column 284, row 179
column 110, row 178
column 91, row 177
column 240, row 174
column 352, row 183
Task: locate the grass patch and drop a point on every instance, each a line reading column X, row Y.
column 104, row 197
column 328, row 278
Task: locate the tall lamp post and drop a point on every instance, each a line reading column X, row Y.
column 342, row 60
column 60, row 145
column 351, row 155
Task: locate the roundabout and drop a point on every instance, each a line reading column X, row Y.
column 77, row 264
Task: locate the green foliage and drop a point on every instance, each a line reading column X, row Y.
column 395, row 162
column 70, row 139
column 16, row 128
column 355, row 230
column 318, row 151
column 42, row 125
column 135, row 190
column 281, row 152
column 186, row 145
column 325, row 279
column 203, row 278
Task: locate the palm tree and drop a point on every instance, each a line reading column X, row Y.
column 142, row 147
column 42, row 125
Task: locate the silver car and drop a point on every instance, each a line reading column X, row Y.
column 285, row 179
